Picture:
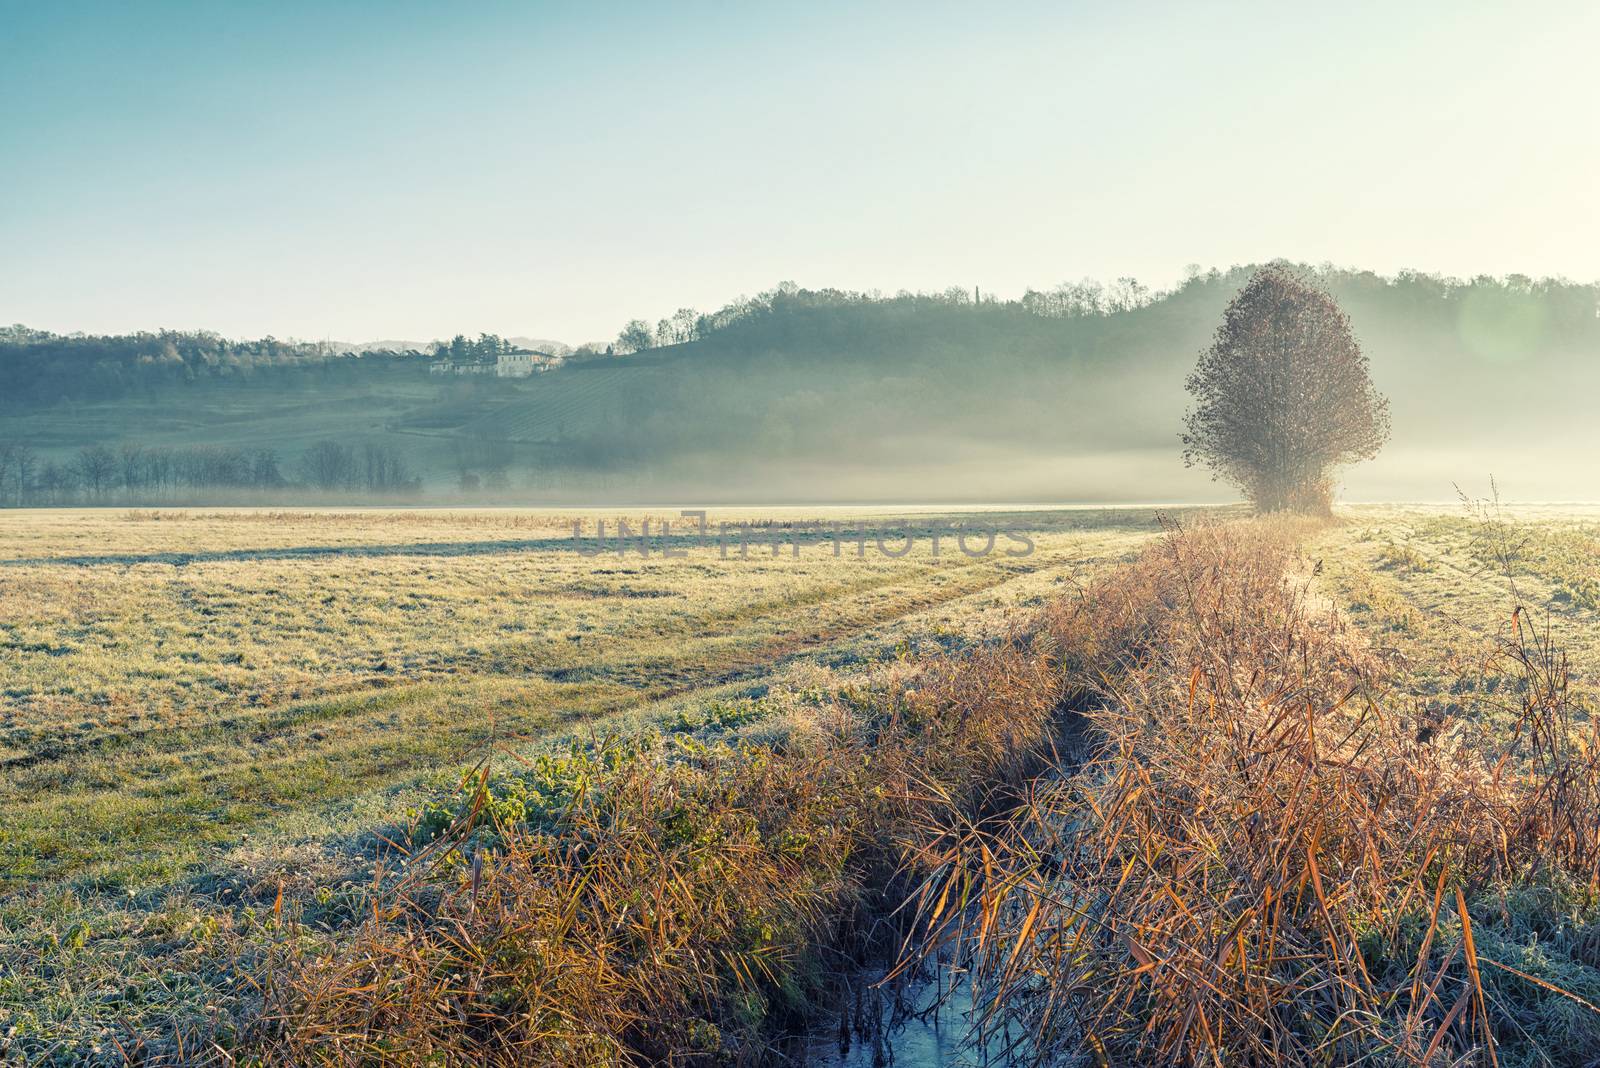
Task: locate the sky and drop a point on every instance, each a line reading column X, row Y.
column 362, row 171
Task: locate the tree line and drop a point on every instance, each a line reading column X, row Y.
column 486, row 348
column 1415, row 291
column 132, row 473
column 836, row 376
column 1068, row 300
column 39, row 367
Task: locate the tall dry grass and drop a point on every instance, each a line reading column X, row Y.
column 1267, row 856
column 687, row 903
column 1246, row 846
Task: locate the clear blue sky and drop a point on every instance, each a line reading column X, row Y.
column 362, row 171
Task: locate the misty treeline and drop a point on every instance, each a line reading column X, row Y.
column 1088, row 298
column 787, row 391
column 485, row 348
column 132, row 473
column 38, row 367
column 1081, row 369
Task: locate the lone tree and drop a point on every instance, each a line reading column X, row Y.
column 1282, row 396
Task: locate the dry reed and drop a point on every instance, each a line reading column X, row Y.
column 686, row 902
column 1264, row 858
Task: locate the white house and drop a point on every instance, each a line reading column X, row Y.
column 522, row 363
column 514, row 364
column 518, row 364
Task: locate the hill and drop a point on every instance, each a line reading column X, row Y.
column 1070, row 394
column 1075, row 393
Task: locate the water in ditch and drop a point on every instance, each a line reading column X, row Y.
column 925, row 1023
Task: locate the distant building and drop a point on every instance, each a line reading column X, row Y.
column 514, row 364
column 523, row 362
column 449, row 367
column 518, row 364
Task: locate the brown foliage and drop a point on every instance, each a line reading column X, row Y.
column 1262, row 860
column 1282, row 396
column 685, row 908
column 1257, row 854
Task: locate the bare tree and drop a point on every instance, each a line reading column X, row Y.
column 96, row 469
column 685, row 325
column 159, row 466
column 635, row 337
column 264, row 473
column 132, row 468
column 327, row 465
column 23, row 462
column 8, row 452
column 384, row 469
column 1282, row 396
column 55, row 482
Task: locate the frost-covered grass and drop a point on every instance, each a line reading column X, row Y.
column 198, row 706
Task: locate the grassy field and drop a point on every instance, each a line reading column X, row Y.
column 1433, row 590
column 204, row 709
column 197, row 703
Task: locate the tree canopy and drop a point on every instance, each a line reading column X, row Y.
column 1283, row 396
